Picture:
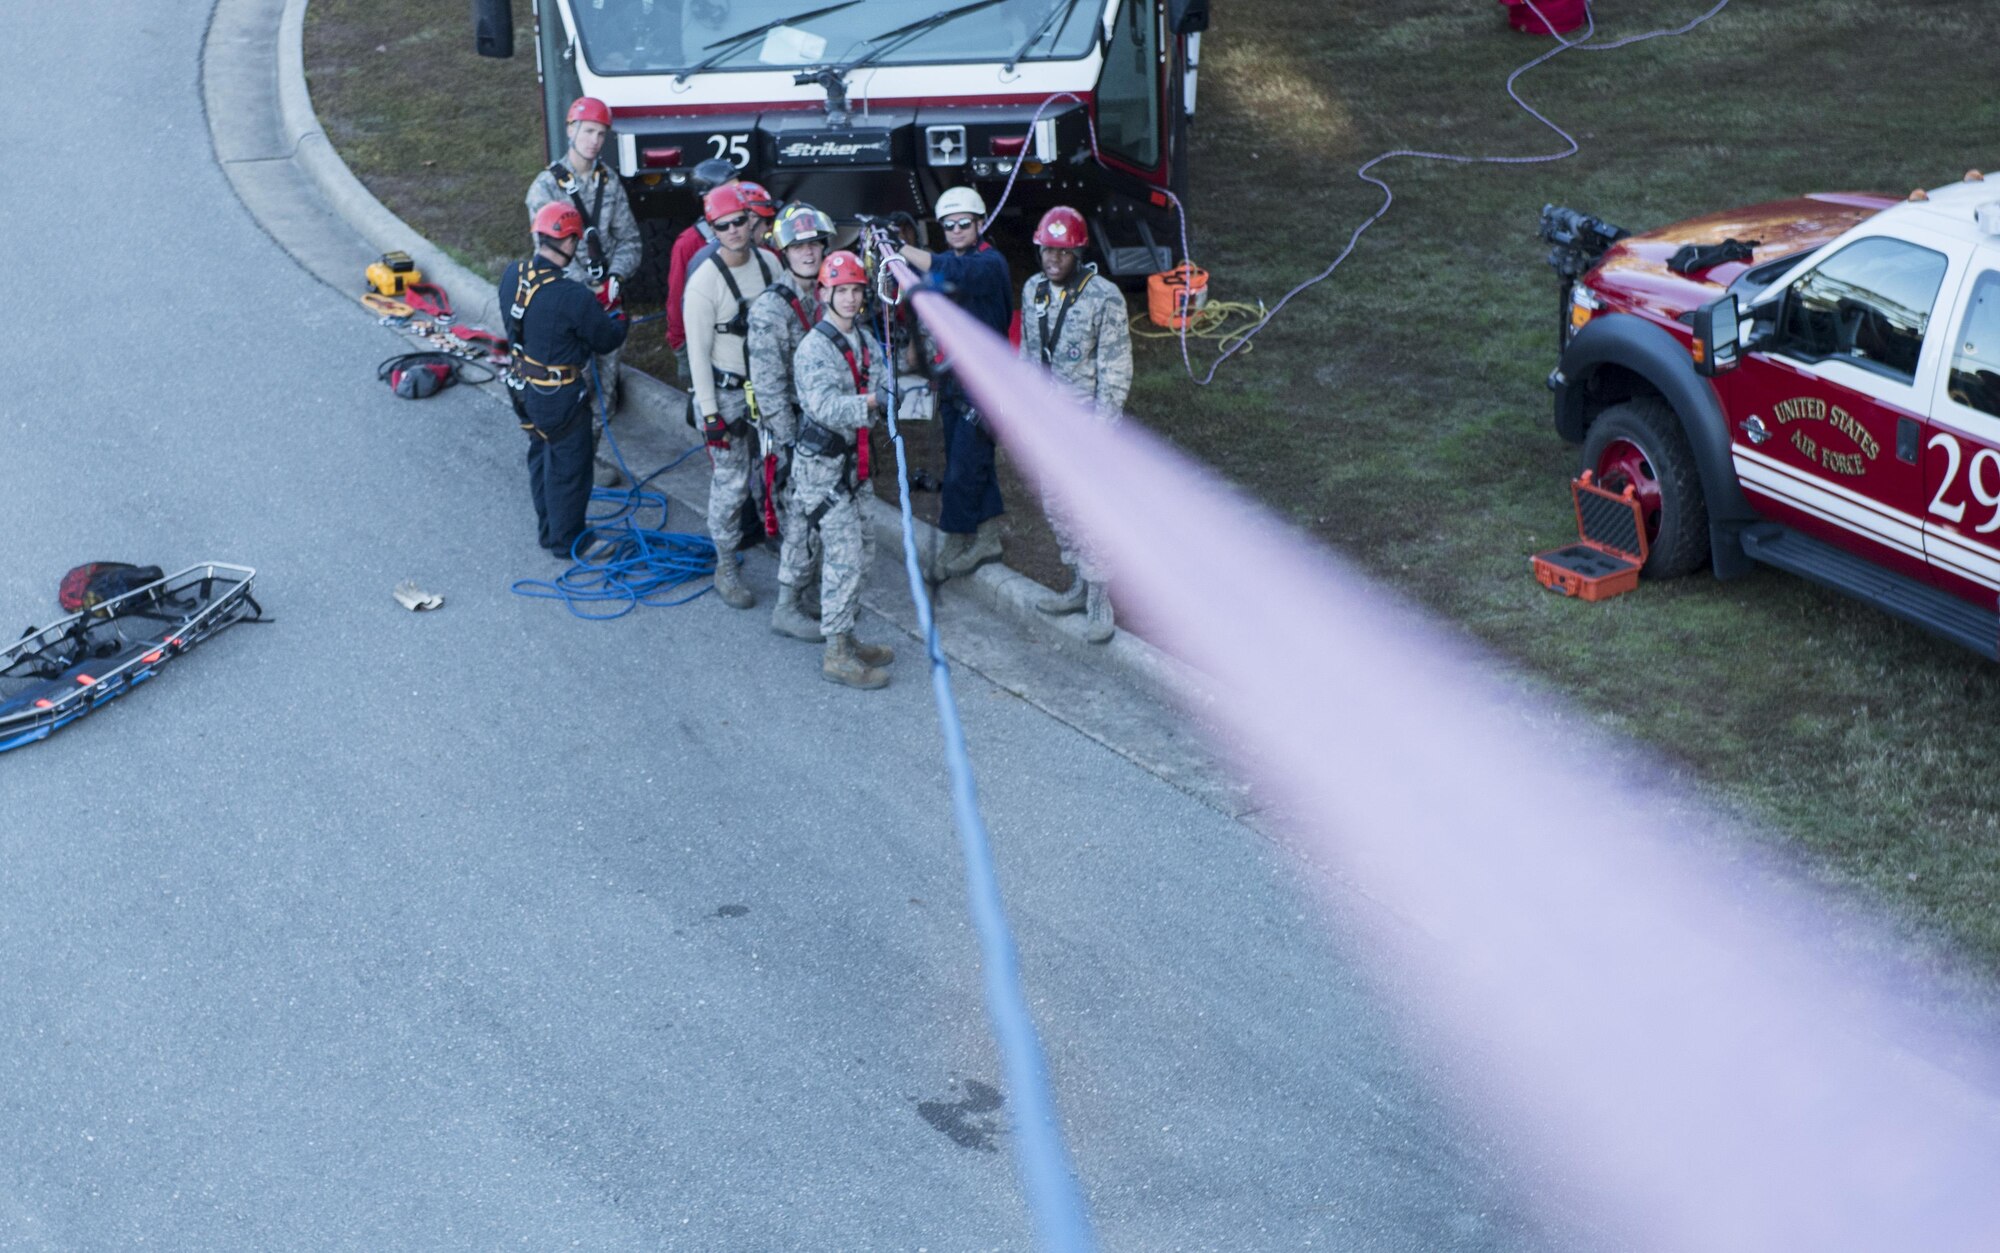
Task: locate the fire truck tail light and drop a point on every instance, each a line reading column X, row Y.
column 1009, row 146
column 660, row 158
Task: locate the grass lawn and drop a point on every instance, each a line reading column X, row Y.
column 1398, row 412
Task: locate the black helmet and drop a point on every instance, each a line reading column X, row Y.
column 713, row 173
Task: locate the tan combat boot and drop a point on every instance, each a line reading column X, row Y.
column 789, row 619
column 841, row 664
column 980, row 547
column 874, row 654
column 1071, row 601
column 1097, row 624
column 951, row 547
column 729, row 583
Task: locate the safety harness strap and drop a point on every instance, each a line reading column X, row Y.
column 566, row 182
column 859, row 372
column 740, row 324
column 530, row 280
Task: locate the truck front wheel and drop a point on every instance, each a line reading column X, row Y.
column 1640, row 443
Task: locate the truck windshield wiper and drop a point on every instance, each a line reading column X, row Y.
column 889, row 40
column 1060, row 9
column 729, row 43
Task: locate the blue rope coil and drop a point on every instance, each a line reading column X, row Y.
column 617, row 564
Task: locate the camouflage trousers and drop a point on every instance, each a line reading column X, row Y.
column 1076, row 551
column 1076, row 548
column 729, row 474
column 822, row 486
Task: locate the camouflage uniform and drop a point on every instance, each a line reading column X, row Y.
column 825, row 490
column 714, row 350
column 775, row 333
column 1089, row 350
column 617, row 226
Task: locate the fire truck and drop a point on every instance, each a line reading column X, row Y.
column 1810, row 384
column 876, row 106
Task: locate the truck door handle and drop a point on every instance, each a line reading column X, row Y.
column 1753, row 426
column 1906, row 440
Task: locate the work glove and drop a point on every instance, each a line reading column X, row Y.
column 715, row 431
column 906, row 226
column 612, row 296
column 882, row 400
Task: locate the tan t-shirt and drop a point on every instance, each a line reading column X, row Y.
column 708, row 305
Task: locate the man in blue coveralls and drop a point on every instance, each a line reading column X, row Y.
column 557, row 328
column 974, row 275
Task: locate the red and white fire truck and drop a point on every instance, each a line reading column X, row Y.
column 1822, row 395
column 878, row 106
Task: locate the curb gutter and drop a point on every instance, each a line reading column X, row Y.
column 997, row 586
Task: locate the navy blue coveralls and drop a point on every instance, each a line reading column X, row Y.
column 557, row 333
column 978, row 282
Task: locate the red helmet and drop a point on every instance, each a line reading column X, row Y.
column 589, row 109
column 759, row 201
column 841, row 269
column 558, row 221
column 725, row 201
column 1062, row 227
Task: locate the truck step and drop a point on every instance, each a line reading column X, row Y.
column 1959, row 621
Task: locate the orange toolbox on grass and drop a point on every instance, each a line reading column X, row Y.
column 1612, row 547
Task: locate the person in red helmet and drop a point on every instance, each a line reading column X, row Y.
column 706, row 177
column 608, row 254
column 840, row 378
column 717, row 310
column 557, row 327
column 1075, row 325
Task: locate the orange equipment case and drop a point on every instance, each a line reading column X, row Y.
column 1613, row 534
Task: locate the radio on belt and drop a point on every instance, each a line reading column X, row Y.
column 1612, row 547
column 393, row 273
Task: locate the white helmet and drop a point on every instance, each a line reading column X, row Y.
column 958, row 200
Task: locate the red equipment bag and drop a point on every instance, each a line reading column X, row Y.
column 91, row 584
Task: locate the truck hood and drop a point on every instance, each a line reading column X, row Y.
column 1633, row 273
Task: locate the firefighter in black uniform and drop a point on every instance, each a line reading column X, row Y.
column 558, row 329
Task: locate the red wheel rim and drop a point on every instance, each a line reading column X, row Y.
column 1622, row 464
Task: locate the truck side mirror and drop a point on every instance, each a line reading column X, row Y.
column 1716, row 333
column 493, row 27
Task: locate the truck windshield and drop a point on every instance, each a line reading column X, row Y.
column 666, row 36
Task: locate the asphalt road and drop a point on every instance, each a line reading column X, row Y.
column 493, row 928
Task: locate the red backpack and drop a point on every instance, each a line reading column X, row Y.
column 93, row 583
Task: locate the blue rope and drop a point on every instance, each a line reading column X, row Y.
column 629, row 565
column 1062, row 1220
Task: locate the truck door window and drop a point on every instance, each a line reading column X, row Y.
column 1128, row 94
column 1975, row 357
column 1868, row 304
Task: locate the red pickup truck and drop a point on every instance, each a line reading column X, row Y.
column 1811, row 384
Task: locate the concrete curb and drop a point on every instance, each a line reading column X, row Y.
column 996, row 586
column 473, row 298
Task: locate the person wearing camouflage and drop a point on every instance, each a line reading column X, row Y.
column 1074, row 324
column 718, row 299
column 609, row 254
column 780, row 318
column 841, row 382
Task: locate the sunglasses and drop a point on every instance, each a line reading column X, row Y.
column 735, row 223
column 960, row 224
